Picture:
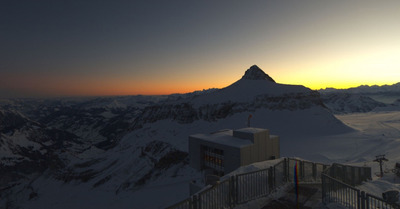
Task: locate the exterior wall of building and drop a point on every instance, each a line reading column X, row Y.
column 245, row 155
column 274, row 147
column 232, row 157
column 264, row 147
column 261, row 141
column 243, row 135
column 194, row 153
column 231, row 154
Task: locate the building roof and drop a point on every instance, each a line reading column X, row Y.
column 224, row 137
column 250, row 130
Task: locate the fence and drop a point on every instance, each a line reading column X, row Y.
column 307, row 171
column 220, row 196
column 373, row 202
column 339, row 192
column 253, row 185
column 336, row 187
column 351, row 175
column 244, row 187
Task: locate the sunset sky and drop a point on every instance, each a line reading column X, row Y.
column 91, row 48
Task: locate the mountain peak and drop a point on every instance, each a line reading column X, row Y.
column 255, row 73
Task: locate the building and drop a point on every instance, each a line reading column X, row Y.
column 227, row 150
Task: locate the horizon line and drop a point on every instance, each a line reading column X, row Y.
column 77, row 96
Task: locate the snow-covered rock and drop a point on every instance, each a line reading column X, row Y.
column 341, row 103
column 130, row 150
column 253, row 93
column 29, row 148
column 386, row 94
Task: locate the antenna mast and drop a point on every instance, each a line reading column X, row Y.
column 248, row 120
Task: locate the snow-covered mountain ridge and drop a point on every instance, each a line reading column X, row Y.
column 341, row 103
column 29, row 148
column 254, row 91
column 366, row 89
column 132, row 144
column 361, row 99
column 253, row 83
column 188, row 112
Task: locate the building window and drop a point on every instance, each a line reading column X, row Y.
column 213, row 158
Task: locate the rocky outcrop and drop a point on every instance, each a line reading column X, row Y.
column 188, row 113
column 255, row 73
column 30, row 148
column 163, row 156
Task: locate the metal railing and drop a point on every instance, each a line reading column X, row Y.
column 352, row 175
column 374, row 202
column 307, row 171
column 336, row 188
column 280, row 173
column 339, row 192
column 216, row 197
column 245, row 187
column 338, row 183
column 253, row 185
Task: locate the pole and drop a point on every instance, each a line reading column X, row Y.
column 248, row 120
column 380, row 159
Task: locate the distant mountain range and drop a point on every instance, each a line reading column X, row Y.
column 66, row 153
column 365, row 89
column 362, row 99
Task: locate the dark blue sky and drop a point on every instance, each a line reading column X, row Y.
column 48, row 35
column 131, row 47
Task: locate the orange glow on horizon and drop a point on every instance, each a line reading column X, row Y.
column 314, row 76
column 51, row 85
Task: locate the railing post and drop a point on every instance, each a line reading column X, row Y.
column 195, row 202
column 323, row 188
column 368, row 173
column 314, row 170
column 236, row 190
column 271, row 179
column 232, row 191
column 332, row 171
column 364, row 203
column 285, row 171
column 358, row 200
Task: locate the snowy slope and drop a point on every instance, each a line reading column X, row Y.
column 253, row 83
column 377, row 133
column 28, row 148
column 395, row 106
column 101, row 121
column 150, row 159
column 277, row 106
